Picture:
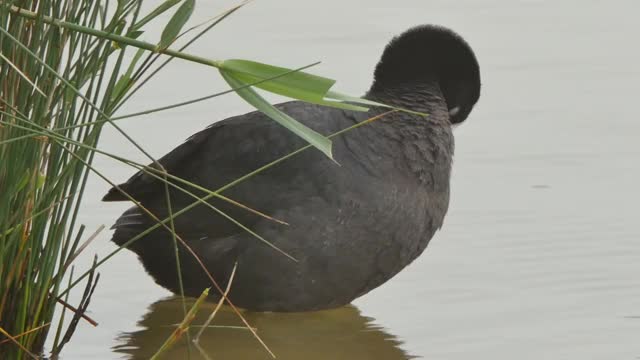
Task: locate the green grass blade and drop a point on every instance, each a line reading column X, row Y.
column 252, row 97
column 177, row 22
column 125, row 80
column 333, row 95
column 168, row 4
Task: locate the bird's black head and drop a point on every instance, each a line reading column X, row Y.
column 427, row 54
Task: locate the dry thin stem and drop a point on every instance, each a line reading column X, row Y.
column 202, row 352
column 220, row 302
column 23, row 75
column 84, row 245
column 75, row 310
column 13, row 339
column 26, row 332
column 251, row 210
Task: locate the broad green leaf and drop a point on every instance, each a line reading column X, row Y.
column 172, row 30
column 125, row 79
column 252, row 97
column 168, row 4
column 295, row 84
column 287, row 82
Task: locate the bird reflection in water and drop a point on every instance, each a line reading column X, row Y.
column 341, row 333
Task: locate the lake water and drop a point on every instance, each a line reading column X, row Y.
column 539, row 257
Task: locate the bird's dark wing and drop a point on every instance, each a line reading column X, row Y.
column 214, row 157
column 228, row 150
column 141, row 183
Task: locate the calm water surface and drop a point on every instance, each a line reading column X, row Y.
column 539, row 256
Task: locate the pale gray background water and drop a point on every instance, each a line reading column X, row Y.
column 539, row 256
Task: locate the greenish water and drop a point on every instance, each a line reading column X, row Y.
column 539, row 256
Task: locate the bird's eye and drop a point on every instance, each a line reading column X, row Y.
column 454, row 111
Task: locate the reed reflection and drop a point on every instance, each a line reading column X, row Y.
column 332, row 334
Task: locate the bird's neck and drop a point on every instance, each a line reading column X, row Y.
column 405, row 143
column 422, row 97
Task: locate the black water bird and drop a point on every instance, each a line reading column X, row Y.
column 352, row 226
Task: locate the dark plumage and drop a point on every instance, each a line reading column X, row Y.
column 353, row 226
